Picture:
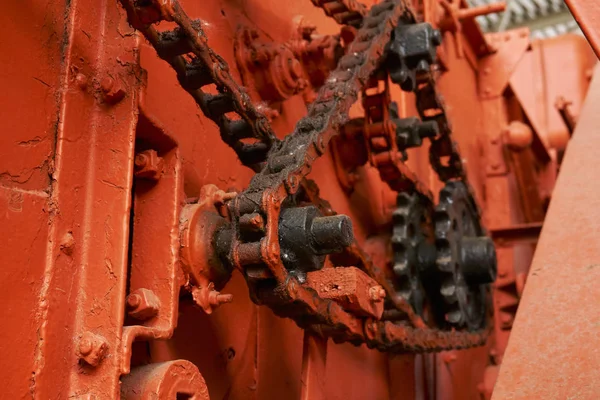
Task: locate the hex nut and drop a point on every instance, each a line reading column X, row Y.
column 92, row 348
column 142, row 304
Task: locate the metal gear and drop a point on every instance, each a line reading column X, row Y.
column 412, row 251
column 465, row 262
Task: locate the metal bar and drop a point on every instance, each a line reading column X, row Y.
column 517, row 234
column 553, row 350
column 313, row 367
column 587, row 15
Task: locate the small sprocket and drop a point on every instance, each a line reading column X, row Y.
column 465, row 262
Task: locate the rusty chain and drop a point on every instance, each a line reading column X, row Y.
column 344, row 12
column 186, row 49
column 283, row 165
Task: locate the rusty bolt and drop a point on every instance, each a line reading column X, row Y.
column 81, row 81
column 92, row 348
column 142, row 304
column 112, row 90
column 216, row 298
column 148, row 165
column 377, row 293
column 208, row 298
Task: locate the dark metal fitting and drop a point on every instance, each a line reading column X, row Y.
column 249, row 253
column 247, row 205
column 172, row 44
column 195, row 74
column 478, row 259
column 236, row 128
column 410, row 52
column 411, row 131
column 142, row 304
column 219, row 104
column 281, row 162
column 306, row 237
column 332, row 234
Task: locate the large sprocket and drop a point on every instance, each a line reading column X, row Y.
column 465, row 262
column 411, row 243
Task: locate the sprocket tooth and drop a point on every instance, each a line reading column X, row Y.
column 404, row 200
column 400, row 268
column 449, row 291
column 454, row 317
column 407, row 235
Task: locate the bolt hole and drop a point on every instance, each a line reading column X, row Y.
column 183, row 396
column 230, row 353
column 223, row 12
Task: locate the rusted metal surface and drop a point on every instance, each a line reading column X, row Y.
column 351, row 288
column 556, row 331
column 168, row 380
column 201, row 224
column 132, row 241
column 277, row 73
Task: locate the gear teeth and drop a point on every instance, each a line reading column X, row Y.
column 454, row 205
column 448, row 290
column 407, row 235
column 454, row 317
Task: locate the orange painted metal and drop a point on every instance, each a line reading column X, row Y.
column 112, row 186
column 587, row 15
column 553, row 351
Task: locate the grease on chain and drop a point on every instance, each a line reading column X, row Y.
column 288, row 163
column 186, row 49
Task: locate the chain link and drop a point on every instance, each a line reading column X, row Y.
column 186, row 49
column 283, row 165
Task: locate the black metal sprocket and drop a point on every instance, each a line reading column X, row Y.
column 465, row 262
column 411, row 243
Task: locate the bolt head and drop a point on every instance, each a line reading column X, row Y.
column 81, row 81
column 133, row 301
column 92, row 348
column 85, row 346
column 143, row 304
column 107, row 84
